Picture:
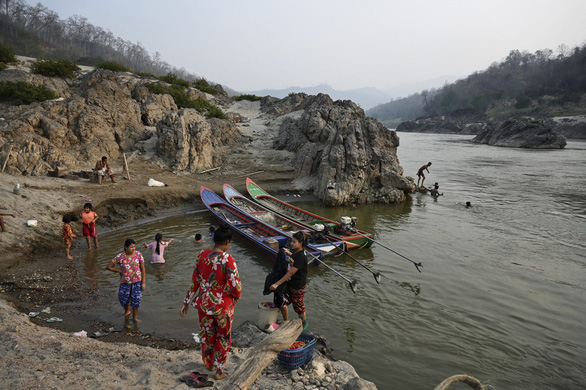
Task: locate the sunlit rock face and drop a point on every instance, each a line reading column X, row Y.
column 343, row 156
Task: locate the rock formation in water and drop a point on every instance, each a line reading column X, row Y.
column 105, row 113
column 521, row 133
column 341, row 154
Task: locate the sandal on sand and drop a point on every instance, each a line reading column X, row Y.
column 195, row 380
column 55, row 319
column 33, row 314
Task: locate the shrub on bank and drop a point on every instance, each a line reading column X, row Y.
column 204, row 86
column 113, row 66
column 183, row 100
column 146, row 75
column 20, row 92
column 61, row 68
column 251, row 98
column 3, row 66
column 174, row 80
column 6, row 55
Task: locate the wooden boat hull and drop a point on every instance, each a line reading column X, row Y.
column 327, row 245
column 264, row 237
column 360, row 239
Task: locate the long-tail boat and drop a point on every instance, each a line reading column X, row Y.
column 343, row 231
column 263, row 236
column 287, row 225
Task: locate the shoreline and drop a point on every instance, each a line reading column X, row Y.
column 34, row 275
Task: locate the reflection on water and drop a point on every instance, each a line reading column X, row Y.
column 500, row 297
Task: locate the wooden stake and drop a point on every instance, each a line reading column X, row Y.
column 7, row 157
column 126, row 166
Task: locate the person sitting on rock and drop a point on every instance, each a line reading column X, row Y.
column 102, row 169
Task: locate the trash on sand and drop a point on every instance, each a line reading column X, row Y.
column 46, row 310
column 153, row 183
column 98, row 334
column 196, row 337
column 81, row 333
column 55, row 319
column 270, row 328
column 33, row 314
column 32, row 222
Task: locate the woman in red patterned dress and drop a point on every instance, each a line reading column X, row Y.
column 214, row 291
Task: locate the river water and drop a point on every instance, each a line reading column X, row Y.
column 502, row 292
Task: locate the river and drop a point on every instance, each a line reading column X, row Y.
column 502, row 292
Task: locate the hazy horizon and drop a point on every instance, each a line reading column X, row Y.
column 261, row 45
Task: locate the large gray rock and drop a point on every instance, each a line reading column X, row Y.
column 341, row 154
column 521, row 133
column 189, row 142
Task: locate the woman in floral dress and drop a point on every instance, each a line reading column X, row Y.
column 214, row 291
column 130, row 265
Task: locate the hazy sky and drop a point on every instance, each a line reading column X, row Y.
column 258, row 44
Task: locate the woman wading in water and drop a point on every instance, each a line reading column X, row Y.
column 214, row 291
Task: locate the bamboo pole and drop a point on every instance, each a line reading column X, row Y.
column 263, row 354
column 7, row 157
column 210, row 170
column 250, row 174
column 126, row 167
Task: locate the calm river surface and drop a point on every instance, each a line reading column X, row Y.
column 503, row 288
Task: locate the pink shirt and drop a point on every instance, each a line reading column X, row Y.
column 131, row 272
column 153, row 246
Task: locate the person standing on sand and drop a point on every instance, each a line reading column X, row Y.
column 421, row 175
column 130, row 265
column 214, row 291
column 296, row 277
column 2, row 227
column 102, row 169
column 158, row 247
column 68, row 235
column 88, row 221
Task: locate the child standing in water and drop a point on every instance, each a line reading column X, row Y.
column 88, row 220
column 68, row 235
column 130, row 265
column 158, row 247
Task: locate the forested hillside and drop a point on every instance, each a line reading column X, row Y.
column 538, row 84
column 38, row 32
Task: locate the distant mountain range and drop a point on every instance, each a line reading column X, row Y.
column 366, row 98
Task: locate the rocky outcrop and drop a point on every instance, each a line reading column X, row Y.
column 440, row 125
column 102, row 113
column 342, row 155
column 189, row 142
column 521, row 133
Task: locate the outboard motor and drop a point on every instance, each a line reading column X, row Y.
column 319, row 233
column 345, row 226
column 354, row 220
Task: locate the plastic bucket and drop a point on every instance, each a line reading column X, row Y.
column 267, row 314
